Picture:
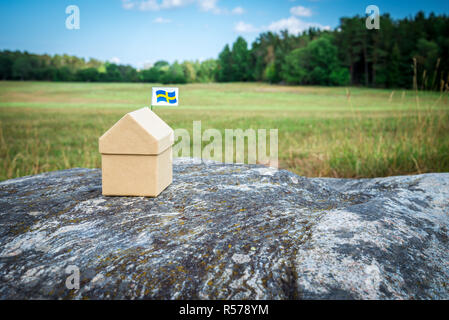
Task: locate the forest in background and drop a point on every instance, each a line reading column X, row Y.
column 404, row 53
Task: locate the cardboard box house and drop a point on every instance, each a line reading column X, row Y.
column 136, row 155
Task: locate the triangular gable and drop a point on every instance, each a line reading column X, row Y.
column 138, row 132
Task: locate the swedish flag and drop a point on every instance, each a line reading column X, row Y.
column 165, row 96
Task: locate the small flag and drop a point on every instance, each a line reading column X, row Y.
column 164, row 96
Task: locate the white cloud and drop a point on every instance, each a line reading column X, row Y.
column 175, row 3
column 157, row 5
column 243, row 27
column 208, row 5
column 154, row 5
column 301, row 11
column 211, row 6
column 294, row 25
column 128, row 4
column 115, row 60
column 161, row 20
column 238, row 10
column 149, row 5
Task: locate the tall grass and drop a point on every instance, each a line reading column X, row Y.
column 45, row 143
column 408, row 141
column 334, row 132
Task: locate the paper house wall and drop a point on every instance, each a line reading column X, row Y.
column 136, row 155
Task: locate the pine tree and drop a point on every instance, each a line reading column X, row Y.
column 224, row 72
column 241, row 60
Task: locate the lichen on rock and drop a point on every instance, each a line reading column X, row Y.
column 226, row 231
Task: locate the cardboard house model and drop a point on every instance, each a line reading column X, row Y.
column 136, row 155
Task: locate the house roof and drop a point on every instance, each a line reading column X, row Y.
column 138, row 132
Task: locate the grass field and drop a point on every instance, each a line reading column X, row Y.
column 335, row 132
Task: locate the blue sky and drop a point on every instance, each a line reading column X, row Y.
column 138, row 32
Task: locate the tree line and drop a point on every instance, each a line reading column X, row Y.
column 16, row 65
column 408, row 53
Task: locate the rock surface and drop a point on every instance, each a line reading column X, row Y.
column 226, row 232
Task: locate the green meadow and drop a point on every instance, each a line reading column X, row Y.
column 323, row 131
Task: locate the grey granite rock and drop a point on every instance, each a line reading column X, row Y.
column 226, row 232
